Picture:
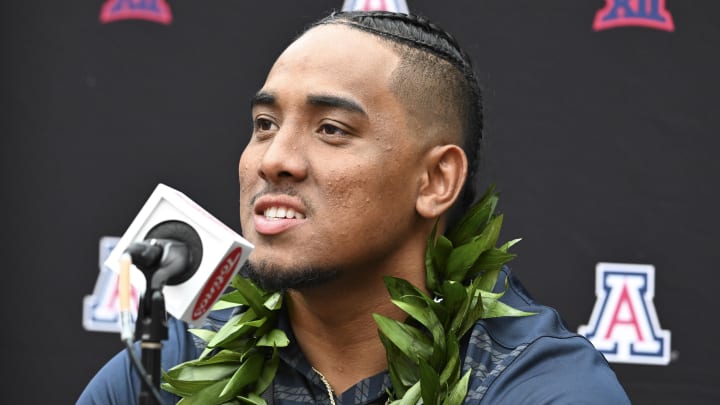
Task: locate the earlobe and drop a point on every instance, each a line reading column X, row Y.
column 446, row 168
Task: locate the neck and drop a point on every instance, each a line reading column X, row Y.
column 335, row 329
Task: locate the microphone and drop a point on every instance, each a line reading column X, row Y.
column 177, row 246
column 170, row 254
column 183, row 259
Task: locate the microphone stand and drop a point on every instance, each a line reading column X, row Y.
column 151, row 329
column 159, row 260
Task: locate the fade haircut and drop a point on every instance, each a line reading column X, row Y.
column 434, row 73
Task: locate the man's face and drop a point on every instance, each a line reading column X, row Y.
column 329, row 179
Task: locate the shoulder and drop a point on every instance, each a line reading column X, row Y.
column 536, row 359
column 118, row 383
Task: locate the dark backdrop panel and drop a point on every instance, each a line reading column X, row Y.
column 603, row 145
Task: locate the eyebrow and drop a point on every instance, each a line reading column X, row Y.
column 321, row 100
column 336, row 102
column 262, row 98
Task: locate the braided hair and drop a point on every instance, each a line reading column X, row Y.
column 423, row 47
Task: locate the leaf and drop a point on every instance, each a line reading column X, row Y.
column 495, row 308
column 460, row 315
column 429, row 383
column 431, row 277
column 182, row 386
column 422, row 309
column 247, row 373
column 400, row 288
column 241, row 325
column 463, row 257
column 402, row 291
column 476, row 309
column 403, row 370
column 185, row 388
column 476, row 217
column 491, row 232
column 234, row 297
column 199, row 372
column 276, row 338
column 411, row 341
column 222, row 356
column 451, row 370
column 442, row 252
column 252, row 294
column 227, row 336
column 489, row 279
column 457, row 394
column 204, row 334
column 227, row 376
column 507, row 245
column 210, row 395
column 274, row 301
column 489, row 264
column 252, row 399
column 436, row 253
column 461, row 260
column 453, row 294
column 412, row 395
column 240, row 345
column 427, row 319
column 268, row 373
column 220, row 305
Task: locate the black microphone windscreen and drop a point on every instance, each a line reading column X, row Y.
column 181, row 232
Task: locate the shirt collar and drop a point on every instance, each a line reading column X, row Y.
column 370, row 390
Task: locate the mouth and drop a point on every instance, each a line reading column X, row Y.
column 275, row 214
column 282, row 212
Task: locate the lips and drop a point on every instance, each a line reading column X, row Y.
column 275, row 214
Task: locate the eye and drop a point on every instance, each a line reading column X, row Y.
column 329, row 129
column 263, row 125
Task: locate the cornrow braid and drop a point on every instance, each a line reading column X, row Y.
column 419, row 33
column 428, row 35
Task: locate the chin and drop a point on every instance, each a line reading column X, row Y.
column 275, row 277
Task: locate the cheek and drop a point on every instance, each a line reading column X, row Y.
column 361, row 190
column 243, row 163
column 246, row 166
column 245, row 177
column 345, row 189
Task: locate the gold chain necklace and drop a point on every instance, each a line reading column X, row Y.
column 330, row 392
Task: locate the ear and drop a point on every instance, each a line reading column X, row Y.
column 444, row 176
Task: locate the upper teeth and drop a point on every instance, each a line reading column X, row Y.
column 282, row 212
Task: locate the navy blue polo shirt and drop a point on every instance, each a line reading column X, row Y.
column 514, row 360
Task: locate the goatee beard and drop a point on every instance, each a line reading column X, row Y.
column 271, row 277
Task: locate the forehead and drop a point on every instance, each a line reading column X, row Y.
column 335, row 59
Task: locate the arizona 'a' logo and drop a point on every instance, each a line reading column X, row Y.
column 101, row 312
column 150, row 10
column 639, row 13
column 398, row 6
column 624, row 325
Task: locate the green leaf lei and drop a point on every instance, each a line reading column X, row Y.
column 241, row 359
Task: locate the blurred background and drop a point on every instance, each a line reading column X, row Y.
column 603, row 144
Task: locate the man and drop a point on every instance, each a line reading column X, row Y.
column 364, row 134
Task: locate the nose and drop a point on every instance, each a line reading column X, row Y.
column 284, row 159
